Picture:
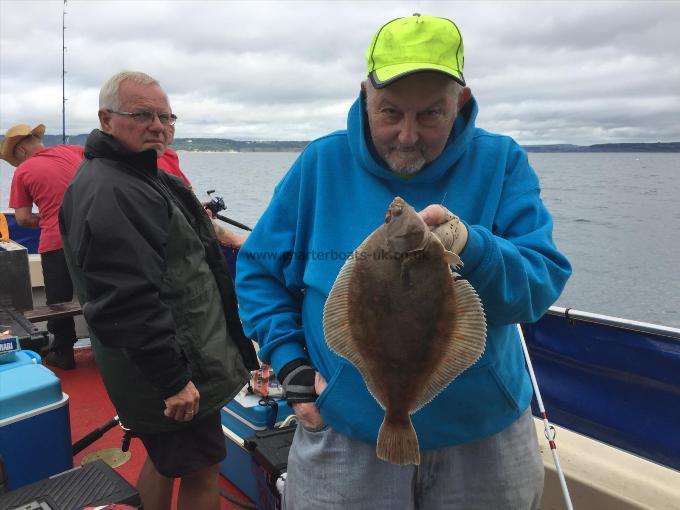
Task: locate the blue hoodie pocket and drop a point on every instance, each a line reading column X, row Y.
column 332, row 382
column 504, row 388
column 479, row 403
column 478, row 390
column 348, row 407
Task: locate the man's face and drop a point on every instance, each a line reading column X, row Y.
column 411, row 119
column 135, row 135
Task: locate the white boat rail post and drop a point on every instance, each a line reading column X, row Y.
column 549, row 429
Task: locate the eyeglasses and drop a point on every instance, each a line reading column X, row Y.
column 167, row 119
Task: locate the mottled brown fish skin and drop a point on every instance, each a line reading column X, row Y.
column 396, row 313
column 399, row 329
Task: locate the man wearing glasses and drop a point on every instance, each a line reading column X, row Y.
column 156, row 295
column 41, row 178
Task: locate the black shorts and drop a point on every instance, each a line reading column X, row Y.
column 185, row 451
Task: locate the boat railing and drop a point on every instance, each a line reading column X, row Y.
column 607, row 320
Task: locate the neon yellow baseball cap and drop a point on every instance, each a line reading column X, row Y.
column 405, row 46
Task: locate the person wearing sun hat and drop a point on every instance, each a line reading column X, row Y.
column 411, row 132
column 17, row 138
column 41, row 178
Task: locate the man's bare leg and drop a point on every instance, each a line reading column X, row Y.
column 155, row 490
column 200, row 490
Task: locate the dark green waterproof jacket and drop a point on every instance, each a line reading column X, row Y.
column 153, row 284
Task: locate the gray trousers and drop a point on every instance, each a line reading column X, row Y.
column 327, row 470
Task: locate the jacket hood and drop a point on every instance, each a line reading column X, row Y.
column 459, row 140
column 103, row 145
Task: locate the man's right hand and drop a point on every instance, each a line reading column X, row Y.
column 306, row 412
column 183, row 406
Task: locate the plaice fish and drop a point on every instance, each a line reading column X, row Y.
column 409, row 324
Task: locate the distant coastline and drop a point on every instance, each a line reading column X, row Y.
column 227, row 145
column 607, row 147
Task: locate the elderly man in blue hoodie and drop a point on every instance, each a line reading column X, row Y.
column 410, row 133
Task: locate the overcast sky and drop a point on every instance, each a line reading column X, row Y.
column 543, row 72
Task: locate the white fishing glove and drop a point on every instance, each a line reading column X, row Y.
column 452, row 233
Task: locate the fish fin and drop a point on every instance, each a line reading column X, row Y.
column 337, row 325
column 453, row 259
column 336, row 322
column 467, row 341
column 397, row 442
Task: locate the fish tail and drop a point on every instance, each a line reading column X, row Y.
column 397, row 442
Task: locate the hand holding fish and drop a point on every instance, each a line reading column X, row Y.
column 401, row 317
column 446, row 226
column 435, row 214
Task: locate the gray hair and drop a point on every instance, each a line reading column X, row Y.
column 109, row 93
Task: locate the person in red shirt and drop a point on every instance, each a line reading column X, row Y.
column 41, row 177
column 169, row 160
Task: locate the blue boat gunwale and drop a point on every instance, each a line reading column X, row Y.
column 613, row 380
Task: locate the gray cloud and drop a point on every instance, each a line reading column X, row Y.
column 543, row 72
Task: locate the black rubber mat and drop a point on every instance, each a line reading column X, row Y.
column 94, row 484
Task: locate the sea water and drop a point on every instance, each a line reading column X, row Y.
column 616, row 215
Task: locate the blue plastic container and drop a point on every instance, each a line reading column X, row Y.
column 19, row 358
column 241, row 418
column 35, row 434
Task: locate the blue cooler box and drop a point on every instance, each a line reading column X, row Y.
column 35, row 434
column 17, row 358
column 241, row 418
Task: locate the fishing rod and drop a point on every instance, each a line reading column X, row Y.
column 63, row 74
column 90, row 438
column 233, row 222
column 549, row 429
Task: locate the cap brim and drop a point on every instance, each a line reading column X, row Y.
column 389, row 74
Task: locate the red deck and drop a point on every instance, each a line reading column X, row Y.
column 90, row 409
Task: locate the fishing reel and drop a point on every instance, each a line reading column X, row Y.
column 216, row 204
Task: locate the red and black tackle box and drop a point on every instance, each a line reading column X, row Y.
column 243, row 418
